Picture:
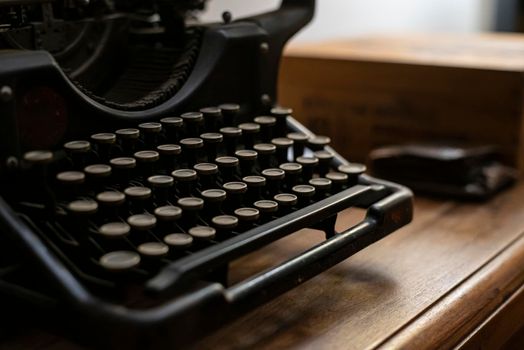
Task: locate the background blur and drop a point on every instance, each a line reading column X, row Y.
column 344, row 18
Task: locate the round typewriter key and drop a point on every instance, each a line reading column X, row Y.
column 71, row 177
column 192, row 147
column 322, row 187
column 114, row 230
column 317, row 143
column 98, row 173
column 338, row 180
column 192, row 121
column 192, row 143
column 137, row 192
column 191, row 203
column 231, row 137
column 39, row 157
column 247, row 160
column 142, row 222
column 282, row 142
column 286, row 202
column 324, row 161
column 246, row 217
column 228, row 167
column 274, row 179
column 281, row 113
column 235, row 187
column 265, row 152
column 147, row 156
column 214, row 195
column 353, row 171
column 128, row 134
column 250, row 132
column 121, row 260
column 172, row 126
column 266, row 207
column 111, row 198
column 304, row 193
column 186, row 180
column 235, row 194
column 178, row 240
column 123, row 163
column 169, row 150
column 160, row 181
column 229, row 111
column 78, row 146
column 105, row 138
column 293, row 171
column 211, row 144
column 299, row 142
column 212, row 117
column 154, row 128
column 309, row 165
column 138, row 197
column 83, row 207
column 267, row 124
column 202, row 232
column 225, row 222
column 168, row 213
column 153, row 249
column 207, row 173
column 255, row 184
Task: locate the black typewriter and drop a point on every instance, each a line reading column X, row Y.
column 141, row 152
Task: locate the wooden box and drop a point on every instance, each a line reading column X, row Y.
column 377, row 91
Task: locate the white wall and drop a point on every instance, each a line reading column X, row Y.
column 342, row 18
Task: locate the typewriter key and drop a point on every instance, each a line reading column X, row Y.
column 293, row 171
column 247, row 160
column 71, row 177
column 274, row 179
column 178, row 240
column 212, row 141
column 250, row 133
column 231, row 137
column 114, row 230
column 228, row 167
column 285, row 202
column 121, row 260
column 324, row 161
column 247, row 217
column 192, row 147
column 142, row 222
column 212, row 117
column 191, row 206
column 322, row 187
column 168, row 155
column 150, row 128
column 235, row 194
column 77, row 146
column 230, row 112
column 173, row 128
column 192, row 122
column 309, row 165
column 255, row 184
column 353, row 171
column 317, row 143
column 213, row 199
column 266, row 208
column 138, row 197
column 304, row 194
column 267, row 124
column 128, row 140
column 111, row 198
column 204, row 233
column 146, row 161
column 282, row 144
column 105, row 138
column 123, row 163
column 299, row 143
column 160, row 181
column 265, row 152
column 84, row 207
column 281, row 114
column 168, row 213
column 224, row 224
column 39, row 157
column 339, row 180
column 98, row 170
column 207, row 172
column 186, row 180
column 153, row 249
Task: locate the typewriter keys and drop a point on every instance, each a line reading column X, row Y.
column 178, row 240
column 120, row 260
column 153, row 249
column 142, row 222
column 71, row 177
column 114, row 230
column 39, row 157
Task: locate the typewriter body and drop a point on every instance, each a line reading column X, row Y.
column 140, row 154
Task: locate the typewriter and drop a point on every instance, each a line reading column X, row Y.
column 142, row 152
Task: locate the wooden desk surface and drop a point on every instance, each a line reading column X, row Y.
column 454, row 277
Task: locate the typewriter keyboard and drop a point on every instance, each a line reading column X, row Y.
column 117, row 206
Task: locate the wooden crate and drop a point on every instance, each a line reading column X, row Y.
column 376, row 91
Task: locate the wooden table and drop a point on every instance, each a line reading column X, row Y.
column 454, row 277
